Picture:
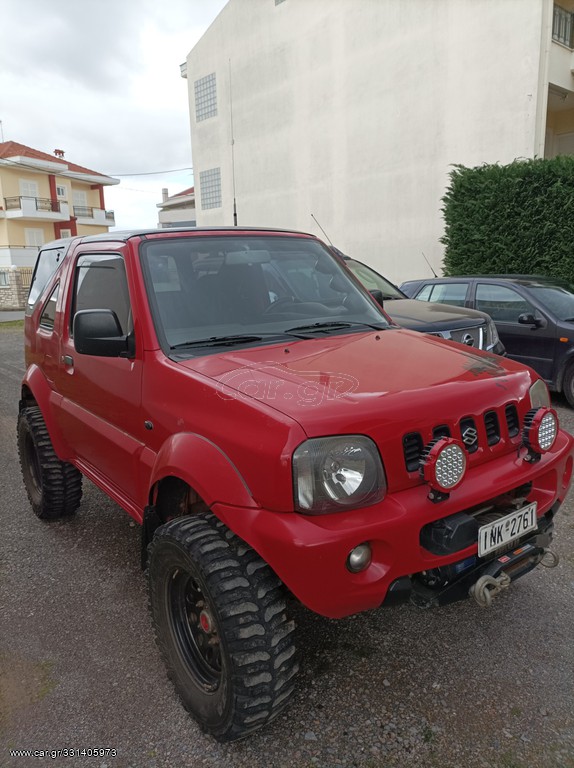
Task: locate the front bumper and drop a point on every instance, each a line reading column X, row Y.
column 309, row 554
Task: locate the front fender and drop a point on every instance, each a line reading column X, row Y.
column 203, row 466
column 48, row 402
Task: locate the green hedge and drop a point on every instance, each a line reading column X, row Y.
column 517, row 218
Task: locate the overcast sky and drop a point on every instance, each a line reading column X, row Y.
column 100, row 79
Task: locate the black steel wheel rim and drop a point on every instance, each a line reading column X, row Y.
column 33, row 465
column 194, row 629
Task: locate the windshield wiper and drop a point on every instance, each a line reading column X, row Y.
column 332, row 326
column 222, row 341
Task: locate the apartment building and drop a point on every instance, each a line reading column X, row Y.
column 177, row 210
column 43, row 197
column 355, row 111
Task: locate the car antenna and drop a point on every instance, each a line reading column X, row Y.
column 323, row 231
column 428, row 262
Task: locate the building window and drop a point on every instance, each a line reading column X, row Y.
column 34, row 236
column 80, row 198
column 205, row 97
column 65, row 233
column 4, row 279
column 61, row 192
column 28, row 188
column 210, row 188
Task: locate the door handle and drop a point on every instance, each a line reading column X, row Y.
column 67, row 359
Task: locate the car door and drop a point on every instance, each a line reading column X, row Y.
column 529, row 344
column 100, row 410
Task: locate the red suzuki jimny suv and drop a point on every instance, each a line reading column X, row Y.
column 241, row 396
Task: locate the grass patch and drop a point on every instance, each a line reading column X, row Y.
column 12, row 324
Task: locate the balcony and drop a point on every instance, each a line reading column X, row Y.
column 86, row 214
column 35, row 208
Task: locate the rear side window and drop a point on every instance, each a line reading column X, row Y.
column 501, row 303
column 47, row 263
column 424, row 293
column 448, row 293
column 48, row 316
column 101, row 283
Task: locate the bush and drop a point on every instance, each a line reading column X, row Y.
column 514, row 219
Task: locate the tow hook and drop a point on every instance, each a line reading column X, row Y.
column 485, row 589
column 549, row 559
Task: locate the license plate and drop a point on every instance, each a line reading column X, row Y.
column 497, row 534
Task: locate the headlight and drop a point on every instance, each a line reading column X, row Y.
column 539, row 395
column 331, row 474
column 491, row 335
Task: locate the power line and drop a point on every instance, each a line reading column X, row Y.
column 151, row 173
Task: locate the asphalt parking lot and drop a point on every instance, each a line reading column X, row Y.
column 459, row 687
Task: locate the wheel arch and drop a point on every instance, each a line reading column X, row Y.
column 567, row 362
column 36, row 391
column 207, row 470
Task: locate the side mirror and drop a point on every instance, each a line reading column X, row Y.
column 377, row 296
column 98, row 332
column 527, row 318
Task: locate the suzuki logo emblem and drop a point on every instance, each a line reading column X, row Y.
column 468, row 340
column 469, row 436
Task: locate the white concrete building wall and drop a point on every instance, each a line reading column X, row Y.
column 355, row 111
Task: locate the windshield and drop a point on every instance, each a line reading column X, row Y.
column 559, row 300
column 246, row 289
column 373, row 281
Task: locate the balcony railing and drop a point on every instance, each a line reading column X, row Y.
column 85, row 211
column 563, row 26
column 89, row 212
column 40, row 203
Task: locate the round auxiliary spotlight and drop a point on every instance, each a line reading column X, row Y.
column 443, row 464
column 540, row 429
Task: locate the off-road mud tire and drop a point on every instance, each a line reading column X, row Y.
column 240, row 675
column 54, row 487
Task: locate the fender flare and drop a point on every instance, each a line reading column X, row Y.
column 47, row 401
column 204, row 467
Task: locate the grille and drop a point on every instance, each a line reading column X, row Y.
column 412, row 449
column 471, row 337
column 467, row 431
column 512, row 421
column 492, row 427
column 441, row 431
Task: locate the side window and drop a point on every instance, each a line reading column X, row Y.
column 449, row 293
column 101, row 283
column 47, row 263
column 424, row 294
column 501, row 303
column 48, row 315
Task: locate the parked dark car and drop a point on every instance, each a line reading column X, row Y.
column 534, row 316
column 467, row 326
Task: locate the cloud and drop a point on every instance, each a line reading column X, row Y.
column 100, row 79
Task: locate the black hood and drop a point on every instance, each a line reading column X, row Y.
column 428, row 317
